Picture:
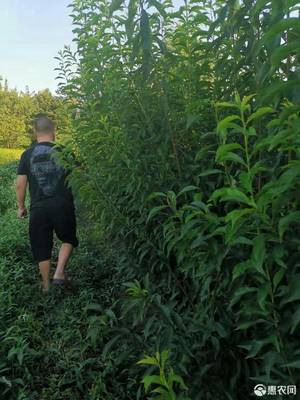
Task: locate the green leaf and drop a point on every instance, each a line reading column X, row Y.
column 149, row 380
column 246, row 181
column 114, row 6
column 110, row 344
column 247, row 324
column 283, row 52
column 278, row 277
column 237, row 98
column 232, row 157
column 259, row 113
column 284, row 222
column 262, row 294
column 293, row 293
column 295, row 320
column 159, row 6
column 274, row 123
column 235, row 215
column 220, row 329
column 291, row 3
column 165, row 312
column 154, row 195
column 255, row 348
column 243, row 240
column 225, row 153
column 20, row 357
column 12, row 353
column 226, row 105
column 258, row 6
column 188, row 189
column 259, row 254
column 274, row 340
column 154, row 211
column 148, row 361
column 241, row 292
column 178, row 379
column 240, row 269
column 278, row 254
column 164, row 392
column 210, row 172
column 94, row 307
column 129, row 23
column 269, row 360
column 224, row 124
column 5, row 381
column 172, row 199
column 150, row 322
column 294, row 364
column 280, row 27
column 231, row 194
column 191, row 119
column 278, row 88
column 245, row 102
column 164, row 357
column 197, row 242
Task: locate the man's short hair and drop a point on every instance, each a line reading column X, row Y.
column 43, row 124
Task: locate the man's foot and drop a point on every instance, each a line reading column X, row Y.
column 44, row 270
column 45, row 288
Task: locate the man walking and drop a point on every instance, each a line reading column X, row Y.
column 51, row 202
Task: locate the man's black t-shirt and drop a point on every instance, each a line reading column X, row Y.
column 47, row 179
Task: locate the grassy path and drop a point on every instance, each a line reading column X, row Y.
column 51, row 345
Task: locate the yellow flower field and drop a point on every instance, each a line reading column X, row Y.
column 8, row 155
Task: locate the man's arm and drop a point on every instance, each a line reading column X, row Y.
column 21, row 187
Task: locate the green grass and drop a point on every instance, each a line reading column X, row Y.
column 8, row 155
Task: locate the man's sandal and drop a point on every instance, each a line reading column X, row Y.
column 62, row 282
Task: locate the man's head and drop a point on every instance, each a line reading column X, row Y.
column 44, row 128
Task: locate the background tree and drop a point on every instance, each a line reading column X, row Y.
column 17, row 110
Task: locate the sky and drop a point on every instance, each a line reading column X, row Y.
column 31, row 34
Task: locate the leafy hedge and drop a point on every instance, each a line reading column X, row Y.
column 187, row 126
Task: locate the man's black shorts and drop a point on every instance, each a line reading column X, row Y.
column 47, row 219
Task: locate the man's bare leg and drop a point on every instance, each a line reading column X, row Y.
column 64, row 255
column 45, row 271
